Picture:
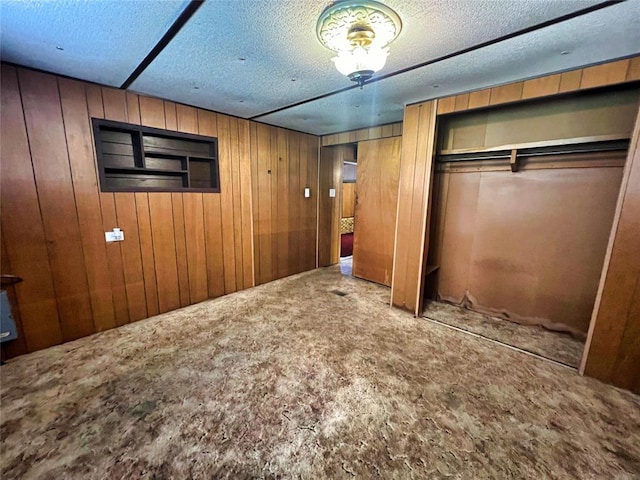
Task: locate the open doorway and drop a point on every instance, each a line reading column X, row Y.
column 347, row 214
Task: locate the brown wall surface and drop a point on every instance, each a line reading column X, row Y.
column 376, row 209
column 330, row 208
column 612, row 353
column 577, row 116
column 612, row 73
column 283, row 164
column 348, row 199
column 411, row 236
column 179, row 248
column 530, row 244
column 355, row 136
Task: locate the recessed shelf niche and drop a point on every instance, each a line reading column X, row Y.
column 132, row 158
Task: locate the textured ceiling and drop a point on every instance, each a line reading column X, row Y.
column 103, row 40
column 589, row 39
column 251, row 57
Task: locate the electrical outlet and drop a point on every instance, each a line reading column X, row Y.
column 332, row 192
column 116, row 235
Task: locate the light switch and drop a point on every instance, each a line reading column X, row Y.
column 332, row 192
column 116, row 235
column 307, row 192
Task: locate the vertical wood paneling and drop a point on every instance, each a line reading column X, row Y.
column 213, row 243
column 196, row 246
column 506, row 93
column 446, row 105
column 541, row 87
column 294, row 194
column 152, row 112
column 479, row 98
column 246, row 203
column 184, row 118
column 363, row 134
column 282, row 195
column 256, row 205
column 329, row 208
column 237, row 204
column 43, row 117
column 611, row 353
column 312, row 159
column 147, row 254
column 181, row 248
column 171, row 116
column 115, row 108
column 570, row 81
column 226, row 203
column 308, row 207
column 605, row 74
column 207, row 125
column 114, row 255
column 22, row 228
column 263, row 204
column 284, row 163
column 77, row 127
column 190, row 217
column 462, row 102
column 376, row 207
column 416, row 170
column 164, row 247
column 127, row 219
column 275, row 217
column 133, row 109
column 144, row 226
column 633, row 72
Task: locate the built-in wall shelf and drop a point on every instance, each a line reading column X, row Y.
column 511, row 157
column 541, row 144
column 133, row 158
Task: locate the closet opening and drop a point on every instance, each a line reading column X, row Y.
column 523, row 200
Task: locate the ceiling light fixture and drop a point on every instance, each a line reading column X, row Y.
column 359, row 31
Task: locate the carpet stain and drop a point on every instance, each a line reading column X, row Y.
column 289, row 380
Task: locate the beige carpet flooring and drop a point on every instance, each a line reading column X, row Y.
column 557, row 346
column 312, row 376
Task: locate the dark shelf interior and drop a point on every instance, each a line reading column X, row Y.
column 134, row 158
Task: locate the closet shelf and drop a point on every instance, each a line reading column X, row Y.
column 541, row 144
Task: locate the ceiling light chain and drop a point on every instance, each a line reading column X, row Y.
column 359, row 32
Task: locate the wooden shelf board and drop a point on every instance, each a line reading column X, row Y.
column 143, row 170
column 544, row 143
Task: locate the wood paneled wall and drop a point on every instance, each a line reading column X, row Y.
column 329, row 208
column 283, row 164
column 179, row 248
column 412, row 236
column 348, row 199
column 612, row 353
column 376, row 209
column 407, row 288
column 355, row 136
column 602, row 75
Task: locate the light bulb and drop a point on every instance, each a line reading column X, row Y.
column 361, row 58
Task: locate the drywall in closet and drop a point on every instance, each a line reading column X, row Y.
column 529, row 244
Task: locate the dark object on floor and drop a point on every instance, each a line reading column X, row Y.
column 346, row 244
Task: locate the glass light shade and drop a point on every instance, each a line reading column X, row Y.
column 358, row 59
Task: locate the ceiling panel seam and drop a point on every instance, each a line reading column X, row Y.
column 533, row 28
column 173, row 30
